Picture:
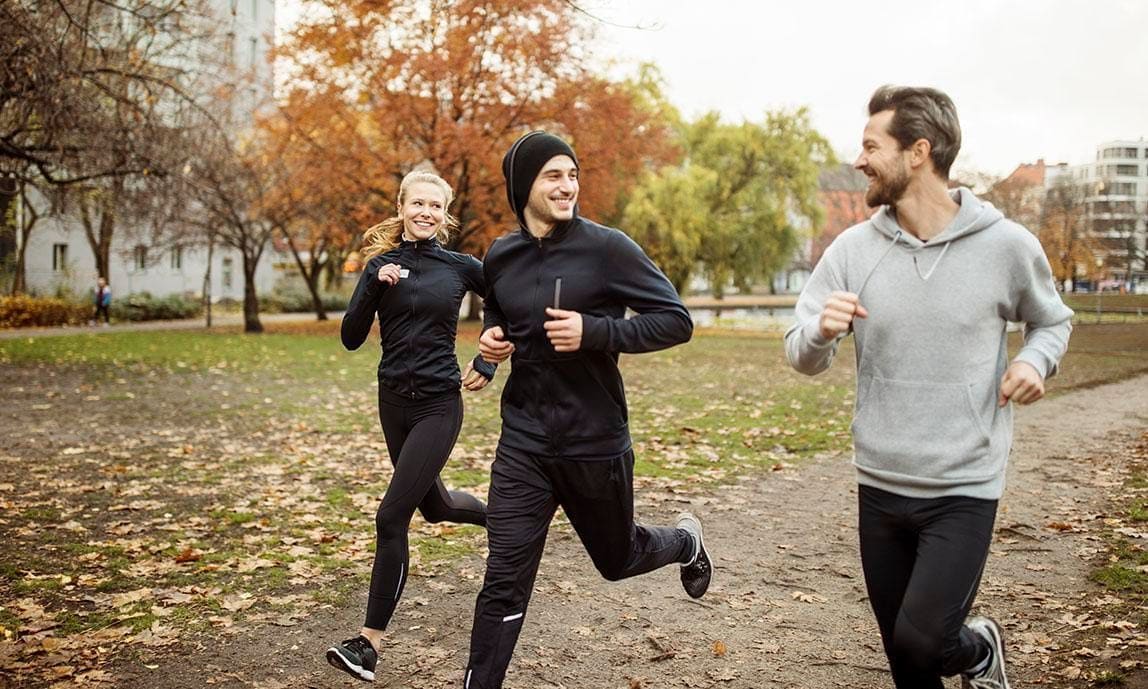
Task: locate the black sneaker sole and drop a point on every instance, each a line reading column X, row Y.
column 339, row 662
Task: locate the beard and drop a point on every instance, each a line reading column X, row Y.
column 542, row 210
column 887, row 190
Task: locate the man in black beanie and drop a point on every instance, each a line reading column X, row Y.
column 557, row 292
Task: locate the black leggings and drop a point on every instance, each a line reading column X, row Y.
column 923, row 560
column 525, row 491
column 420, row 435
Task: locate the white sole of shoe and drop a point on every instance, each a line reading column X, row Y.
column 338, row 660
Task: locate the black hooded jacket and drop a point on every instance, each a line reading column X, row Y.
column 418, row 317
column 573, row 404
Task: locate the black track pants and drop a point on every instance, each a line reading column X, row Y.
column 525, row 491
column 420, row 435
column 923, row 560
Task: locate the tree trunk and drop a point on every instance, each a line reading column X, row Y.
column 207, row 279
column 28, row 219
column 251, row 322
column 313, row 287
column 310, row 274
column 475, row 306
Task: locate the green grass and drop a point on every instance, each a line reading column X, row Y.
column 1118, row 577
column 1108, row 678
column 275, row 444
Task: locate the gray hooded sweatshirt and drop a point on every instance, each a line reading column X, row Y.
column 932, row 351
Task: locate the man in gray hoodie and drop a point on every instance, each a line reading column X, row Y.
column 927, row 286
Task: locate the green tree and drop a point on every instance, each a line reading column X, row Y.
column 740, row 203
column 668, row 214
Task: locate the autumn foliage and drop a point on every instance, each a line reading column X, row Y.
column 378, row 88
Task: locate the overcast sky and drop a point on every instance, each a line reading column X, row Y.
column 1031, row 78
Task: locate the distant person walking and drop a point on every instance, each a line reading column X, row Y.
column 415, row 287
column 927, row 287
column 103, row 301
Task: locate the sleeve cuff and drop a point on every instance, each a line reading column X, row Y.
column 484, row 367
column 812, row 334
column 1037, row 361
column 595, row 332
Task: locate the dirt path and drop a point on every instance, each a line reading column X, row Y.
column 787, row 608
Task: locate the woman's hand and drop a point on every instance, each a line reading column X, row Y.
column 389, row 273
column 473, row 380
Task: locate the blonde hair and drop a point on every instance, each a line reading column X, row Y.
column 381, row 238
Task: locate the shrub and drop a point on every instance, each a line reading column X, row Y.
column 142, row 306
column 23, row 311
column 296, row 299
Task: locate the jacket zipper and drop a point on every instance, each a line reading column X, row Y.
column 411, row 340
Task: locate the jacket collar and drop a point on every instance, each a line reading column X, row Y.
column 556, row 235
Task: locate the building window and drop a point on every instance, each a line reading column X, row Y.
column 1120, row 189
column 139, row 257
column 59, row 257
column 1129, row 170
column 1131, row 153
column 253, row 49
column 177, row 257
column 228, row 264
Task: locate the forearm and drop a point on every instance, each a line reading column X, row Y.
column 1044, row 346
column 806, row 349
column 360, row 314
column 645, row 332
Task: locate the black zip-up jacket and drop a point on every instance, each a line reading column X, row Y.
column 418, row 317
column 573, row 404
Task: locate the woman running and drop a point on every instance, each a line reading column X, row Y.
column 416, row 287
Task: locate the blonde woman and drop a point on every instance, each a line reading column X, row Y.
column 415, row 286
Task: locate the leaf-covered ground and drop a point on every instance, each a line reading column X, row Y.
column 162, row 492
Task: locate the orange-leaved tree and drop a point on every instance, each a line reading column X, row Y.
column 379, row 88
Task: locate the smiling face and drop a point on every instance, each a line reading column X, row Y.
column 553, row 195
column 423, row 210
column 883, row 161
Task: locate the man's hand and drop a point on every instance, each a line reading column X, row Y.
column 838, row 314
column 564, row 330
column 1021, row 384
column 471, row 379
column 493, row 346
column 389, row 273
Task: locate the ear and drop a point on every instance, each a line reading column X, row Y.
column 919, row 153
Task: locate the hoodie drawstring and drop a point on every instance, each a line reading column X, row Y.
column 896, row 238
column 936, row 263
column 916, row 265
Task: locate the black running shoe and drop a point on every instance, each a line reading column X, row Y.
column 356, row 657
column 697, row 573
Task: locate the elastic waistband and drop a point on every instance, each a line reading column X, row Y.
column 398, row 399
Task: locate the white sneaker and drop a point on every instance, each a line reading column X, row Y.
column 993, row 674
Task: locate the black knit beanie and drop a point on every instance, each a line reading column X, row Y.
column 523, row 162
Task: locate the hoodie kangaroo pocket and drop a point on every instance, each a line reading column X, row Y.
column 929, row 433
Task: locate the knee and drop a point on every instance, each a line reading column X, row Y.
column 916, row 650
column 433, row 514
column 389, row 523
column 611, row 570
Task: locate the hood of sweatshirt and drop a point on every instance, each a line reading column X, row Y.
column 974, row 215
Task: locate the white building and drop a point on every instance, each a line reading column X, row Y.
column 59, row 258
column 1117, row 208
